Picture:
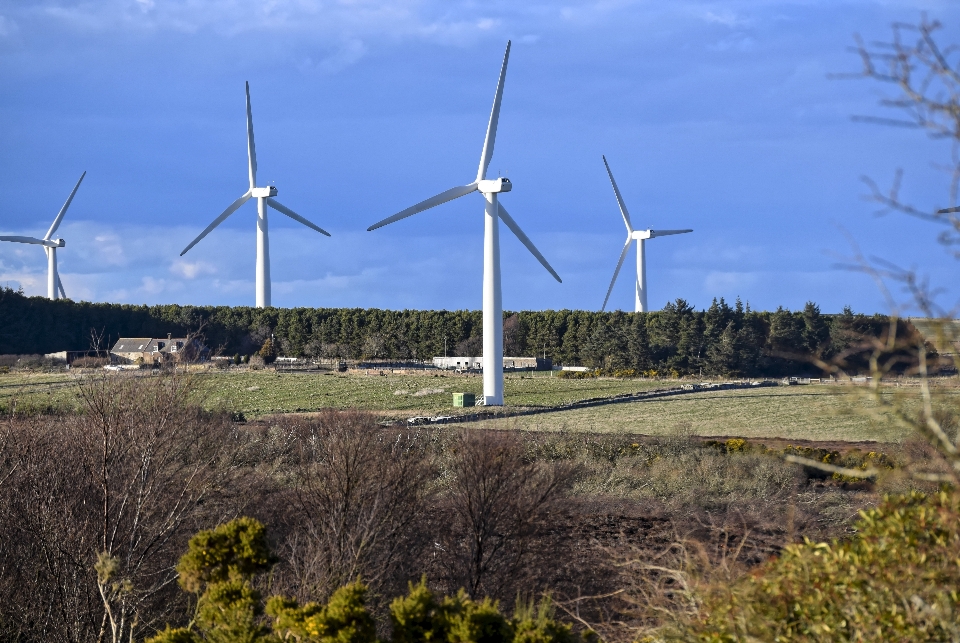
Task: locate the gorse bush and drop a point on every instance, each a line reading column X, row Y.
column 897, row 579
column 220, row 566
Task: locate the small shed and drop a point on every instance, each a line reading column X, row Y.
column 509, row 363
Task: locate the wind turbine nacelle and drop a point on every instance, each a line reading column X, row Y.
column 60, row 242
column 264, row 192
column 490, row 186
column 642, row 234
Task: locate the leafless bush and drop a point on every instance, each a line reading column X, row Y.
column 97, row 506
column 359, row 492
column 27, row 362
column 494, row 502
column 90, row 362
column 658, row 590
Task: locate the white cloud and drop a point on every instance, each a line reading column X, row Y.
column 355, row 18
column 153, row 286
column 725, row 17
column 347, row 53
column 735, row 42
column 717, row 281
column 192, row 270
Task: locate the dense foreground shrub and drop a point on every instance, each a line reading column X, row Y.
column 220, row 566
column 897, row 579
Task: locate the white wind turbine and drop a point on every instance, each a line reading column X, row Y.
column 54, row 285
column 493, row 213
column 263, row 196
column 640, row 236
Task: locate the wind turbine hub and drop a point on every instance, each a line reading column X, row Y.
column 264, row 192
column 490, row 186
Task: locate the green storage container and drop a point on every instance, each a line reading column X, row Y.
column 464, row 399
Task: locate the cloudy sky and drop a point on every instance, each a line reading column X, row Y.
column 718, row 116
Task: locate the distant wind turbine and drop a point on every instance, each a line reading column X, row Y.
column 640, row 236
column 264, row 199
column 493, row 212
column 54, row 285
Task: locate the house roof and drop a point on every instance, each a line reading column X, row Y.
column 132, row 344
column 147, row 344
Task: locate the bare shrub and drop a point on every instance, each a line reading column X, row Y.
column 96, row 506
column 494, row 502
column 359, row 491
column 658, row 591
column 90, row 362
column 28, row 362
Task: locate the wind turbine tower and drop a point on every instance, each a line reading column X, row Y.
column 640, row 236
column 493, row 212
column 54, row 285
column 264, row 198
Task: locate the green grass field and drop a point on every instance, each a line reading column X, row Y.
column 789, row 412
column 264, row 392
column 815, row 412
column 257, row 393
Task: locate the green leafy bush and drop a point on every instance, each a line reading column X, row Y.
column 344, row 619
column 219, row 566
column 221, row 563
column 234, row 551
column 897, row 579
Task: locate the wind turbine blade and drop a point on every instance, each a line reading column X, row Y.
column 949, row 210
column 39, row 242
column 279, row 207
column 63, row 210
column 443, row 197
column 491, row 138
column 60, row 286
column 525, row 240
column 664, row 233
column 251, row 148
column 616, row 190
column 623, row 255
column 226, row 213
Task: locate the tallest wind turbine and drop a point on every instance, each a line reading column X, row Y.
column 263, row 196
column 493, row 213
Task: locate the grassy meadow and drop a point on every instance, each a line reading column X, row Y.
column 814, row 412
column 257, row 393
column 791, row 412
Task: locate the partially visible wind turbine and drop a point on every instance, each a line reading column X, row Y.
column 54, row 285
column 263, row 196
column 493, row 212
column 640, row 236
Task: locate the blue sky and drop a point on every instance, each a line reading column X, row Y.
column 718, row 116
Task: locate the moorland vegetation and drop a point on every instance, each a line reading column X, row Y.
column 627, row 536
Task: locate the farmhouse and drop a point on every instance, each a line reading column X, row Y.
column 509, row 363
column 148, row 350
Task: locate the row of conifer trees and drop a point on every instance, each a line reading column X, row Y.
column 678, row 340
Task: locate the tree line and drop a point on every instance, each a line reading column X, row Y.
column 678, row 340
